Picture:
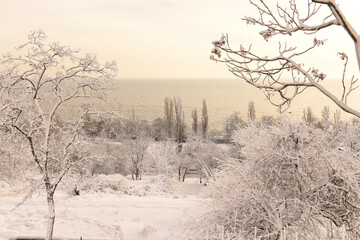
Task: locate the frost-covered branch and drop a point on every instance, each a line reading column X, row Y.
column 292, row 179
column 282, row 77
column 36, row 89
column 287, row 20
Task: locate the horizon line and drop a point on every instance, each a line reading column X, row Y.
column 172, row 78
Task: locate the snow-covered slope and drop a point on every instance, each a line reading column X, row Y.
column 102, row 215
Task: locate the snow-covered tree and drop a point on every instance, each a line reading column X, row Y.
column 107, row 157
column 284, row 75
column 231, row 124
column 268, row 120
column 169, row 115
column 162, row 158
column 204, row 119
column 158, row 129
column 135, row 152
column 194, row 125
column 325, row 117
column 251, row 111
column 40, row 82
column 294, row 179
column 180, row 125
column 308, row 116
column 205, row 156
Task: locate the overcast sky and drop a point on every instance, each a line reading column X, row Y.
column 154, row 38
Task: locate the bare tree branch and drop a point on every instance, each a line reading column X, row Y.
column 37, row 85
column 282, row 77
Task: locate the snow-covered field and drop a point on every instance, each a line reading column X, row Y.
column 103, row 215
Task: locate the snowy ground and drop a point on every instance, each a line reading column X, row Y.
column 103, row 215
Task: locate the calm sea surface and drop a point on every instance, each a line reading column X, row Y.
column 223, row 97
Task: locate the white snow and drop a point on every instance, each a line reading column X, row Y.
column 99, row 215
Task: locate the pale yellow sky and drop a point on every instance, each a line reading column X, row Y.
column 155, row 38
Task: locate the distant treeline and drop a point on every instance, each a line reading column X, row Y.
column 173, row 126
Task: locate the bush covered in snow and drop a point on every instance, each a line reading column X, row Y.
column 105, row 183
column 165, row 186
column 294, row 180
column 118, row 184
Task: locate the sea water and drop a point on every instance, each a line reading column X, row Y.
column 223, row 97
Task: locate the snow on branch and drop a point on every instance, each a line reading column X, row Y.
column 287, row 20
column 36, row 88
column 282, row 77
column 266, row 73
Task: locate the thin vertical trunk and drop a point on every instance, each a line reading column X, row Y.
column 51, row 216
column 137, row 174
column 357, row 50
column 183, row 179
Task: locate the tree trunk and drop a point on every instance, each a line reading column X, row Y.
column 137, row 174
column 51, row 216
column 183, row 179
column 357, row 50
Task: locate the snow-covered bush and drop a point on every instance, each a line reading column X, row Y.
column 204, row 156
column 134, row 151
column 162, row 185
column 294, row 180
column 117, row 184
column 148, row 230
column 15, row 166
column 231, row 124
column 106, row 158
column 162, row 159
column 104, row 184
